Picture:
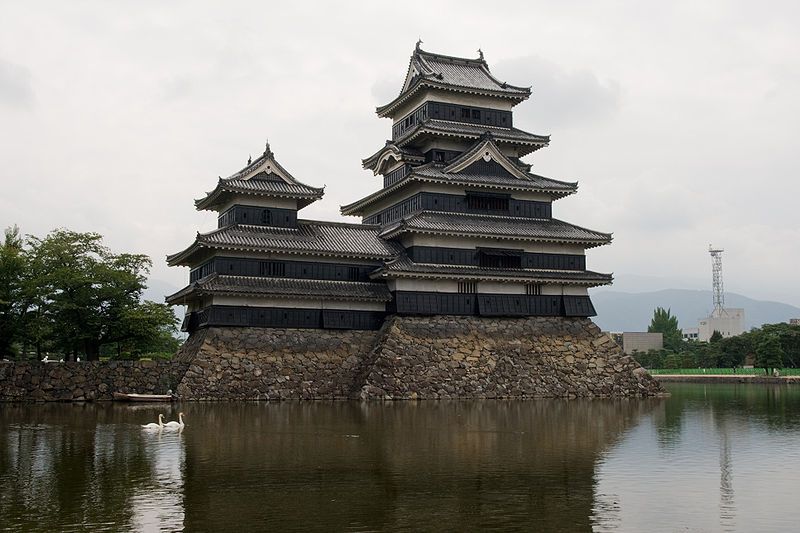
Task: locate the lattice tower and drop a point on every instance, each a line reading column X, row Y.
column 716, row 276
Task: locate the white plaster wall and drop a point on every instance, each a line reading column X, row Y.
column 423, row 285
column 495, row 287
column 468, row 242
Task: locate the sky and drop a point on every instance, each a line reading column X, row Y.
column 679, row 119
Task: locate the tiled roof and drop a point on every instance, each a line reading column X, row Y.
column 404, row 265
column 310, row 237
column 406, row 154
column 434, row 173
column 474, row 131
column 455, row 74
column 515, row 228
column 283, row 288
column 534, row 181
column 265, row 183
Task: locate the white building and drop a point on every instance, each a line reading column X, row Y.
column 729, row 322
column 690, row 334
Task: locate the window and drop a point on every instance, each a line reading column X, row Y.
column 487, row 203
column 533, row 289
column 500, row 259
column 266, row 216
column 476, row 114
column 353, row 273
column 467, row 287
column 438, row 156
column 273, row 269
column 465, row 113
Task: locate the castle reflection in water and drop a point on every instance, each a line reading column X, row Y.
column 693, row 460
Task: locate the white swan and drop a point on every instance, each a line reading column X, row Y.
column 175, row 425
column 153, row 425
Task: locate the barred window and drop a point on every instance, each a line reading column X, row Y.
column 533, row 289
column 486, row 203
column 467, row 287
column 273, row 269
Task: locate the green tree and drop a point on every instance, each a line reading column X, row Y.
column 769, row 353
column 734, row 350
column 84, row 296
column 667, row 324
column 12, row 308
column 715, row 337
column 789, row 338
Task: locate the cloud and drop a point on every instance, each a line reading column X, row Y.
column 16, row 90
column 561, row 98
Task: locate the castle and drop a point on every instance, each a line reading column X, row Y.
column 458, row 282
column 460, row 227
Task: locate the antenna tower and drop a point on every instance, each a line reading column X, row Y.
column 716, row 273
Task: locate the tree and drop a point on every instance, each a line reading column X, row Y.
column 665, row 323
column 715, row 337
column 12, row 310
column 769, row 353
column 734, row 350
column 83, row 296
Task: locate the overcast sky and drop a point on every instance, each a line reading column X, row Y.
column 679, row 119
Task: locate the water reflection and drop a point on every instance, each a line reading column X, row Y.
column 158, row 504
column 79, row 467
column 711, row 458
column 707, row 459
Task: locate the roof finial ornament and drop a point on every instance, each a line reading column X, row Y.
column 419, row 42
column 480, row 54
column 268, row 150
column 249, row 159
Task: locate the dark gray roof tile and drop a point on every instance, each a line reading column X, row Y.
column 283, row 288
column 403, row 265
column 311, row 237
column 514, row 228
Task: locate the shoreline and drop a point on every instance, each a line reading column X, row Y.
column 726, row 378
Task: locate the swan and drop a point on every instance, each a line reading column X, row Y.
column 153, row 425
column 175, row 425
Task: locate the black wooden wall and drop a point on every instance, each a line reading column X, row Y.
column 471, row 257
column 258, row 216
column 437, row 303
column 455, row 112
column 235, row 266
column 277, row 317
column 454, row 203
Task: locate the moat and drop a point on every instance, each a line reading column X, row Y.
column 708, row 458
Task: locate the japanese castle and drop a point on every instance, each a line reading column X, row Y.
column 460, row 226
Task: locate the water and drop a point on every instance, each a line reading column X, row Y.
column 709, row 458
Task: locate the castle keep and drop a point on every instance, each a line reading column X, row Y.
column 457, row 282
column 461, row 225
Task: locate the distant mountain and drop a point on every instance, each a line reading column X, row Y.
column 624, row 311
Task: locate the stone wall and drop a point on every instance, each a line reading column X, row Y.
column 96, row 380
column 477, row 357
column 414, row 358
column 409, row 358
column 274, row 364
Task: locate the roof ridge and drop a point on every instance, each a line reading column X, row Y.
column 337, row 223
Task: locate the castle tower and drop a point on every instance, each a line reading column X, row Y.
column 475, row 225
column 265, row 267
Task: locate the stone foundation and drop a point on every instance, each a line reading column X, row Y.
column 409, row 358
column 471, row 357
column 274, row 364
column 414, row 358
